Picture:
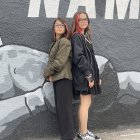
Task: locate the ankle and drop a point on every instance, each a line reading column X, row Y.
column 83, row 132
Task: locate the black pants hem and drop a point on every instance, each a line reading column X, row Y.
column 63, row 103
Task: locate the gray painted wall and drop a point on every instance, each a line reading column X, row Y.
column 26, row 103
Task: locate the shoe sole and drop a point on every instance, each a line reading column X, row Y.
column 81, row 139
column 98, row 139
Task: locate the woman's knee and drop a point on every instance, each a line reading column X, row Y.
column 85, row 99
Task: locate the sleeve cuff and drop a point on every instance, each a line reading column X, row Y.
column 89, row 78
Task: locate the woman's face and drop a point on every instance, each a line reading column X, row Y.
column 59, row 28
column 83, row 21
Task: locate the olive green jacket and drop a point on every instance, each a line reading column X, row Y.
column 59, row 62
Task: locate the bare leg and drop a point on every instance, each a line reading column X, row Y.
column 85, row 102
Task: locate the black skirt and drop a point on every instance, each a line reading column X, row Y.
column 93, row 91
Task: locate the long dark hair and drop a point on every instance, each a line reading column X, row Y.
column 66, row 33
column 75, row 26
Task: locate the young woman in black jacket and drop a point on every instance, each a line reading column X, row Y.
column 85, row 71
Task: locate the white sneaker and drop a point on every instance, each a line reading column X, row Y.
column 95, row 137
column 84, row 137
column 90, row 133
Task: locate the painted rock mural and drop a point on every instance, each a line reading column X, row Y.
column 27, row 107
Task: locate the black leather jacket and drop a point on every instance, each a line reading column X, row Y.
column 83, row 64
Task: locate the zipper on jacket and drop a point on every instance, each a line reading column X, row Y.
column 88, row 49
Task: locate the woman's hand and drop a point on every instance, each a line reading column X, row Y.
column 100, row 82
column 50, row 78
column 91, row 84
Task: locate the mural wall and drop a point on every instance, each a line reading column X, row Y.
column 27, row 106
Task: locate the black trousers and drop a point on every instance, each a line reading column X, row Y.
column 63, row 102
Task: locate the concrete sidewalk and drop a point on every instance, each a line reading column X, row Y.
column 120, row 133
column 130, row 133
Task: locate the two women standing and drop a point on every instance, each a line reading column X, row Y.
column 75, row 60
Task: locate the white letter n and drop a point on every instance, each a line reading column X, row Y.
column 51, row 8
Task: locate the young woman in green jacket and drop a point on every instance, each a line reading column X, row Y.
column 58, row 70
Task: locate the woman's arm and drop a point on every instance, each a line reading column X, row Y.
column 79, row 58
column 60, row 59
